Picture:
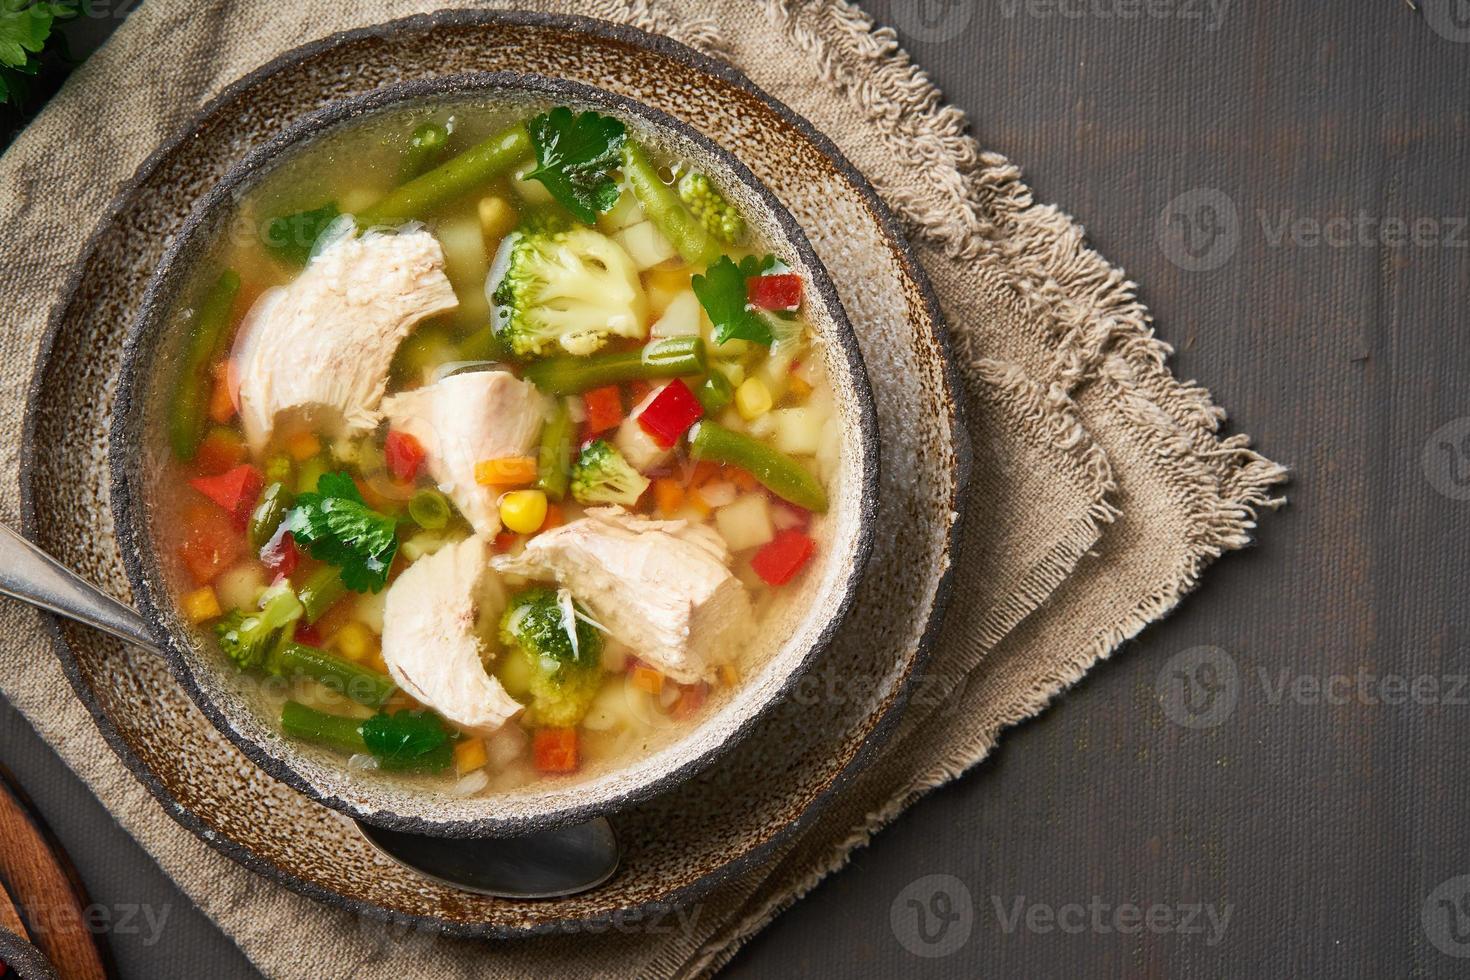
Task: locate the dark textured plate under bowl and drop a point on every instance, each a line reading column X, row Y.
column 715, row 825
column 804, row 619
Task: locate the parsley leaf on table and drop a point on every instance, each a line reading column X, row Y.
column 334, row 525
column 575, row 157
column 722, row 293
column 24, row 30
column 407, row 740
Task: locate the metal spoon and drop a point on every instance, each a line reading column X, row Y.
column 549, row 864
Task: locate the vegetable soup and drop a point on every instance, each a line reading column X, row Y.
column 494, row 441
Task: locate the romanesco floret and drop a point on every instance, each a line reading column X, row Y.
column 250, row 639
column 602, row 476
column 718, row 215
column 566, row 288
column 564, row 676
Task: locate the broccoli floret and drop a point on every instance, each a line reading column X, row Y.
column 567, row 287
column 251, row 639
column 718, row 215
column 561, row 678
column 602, row 476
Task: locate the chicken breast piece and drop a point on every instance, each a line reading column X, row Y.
column 467, row 418
column 323, row 344
column 433, row 618
column 662, row 587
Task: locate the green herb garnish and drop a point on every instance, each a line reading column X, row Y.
column 408, row 740
column 24, row 29
column 336, row 526
column 722, row 293
column 575, row 158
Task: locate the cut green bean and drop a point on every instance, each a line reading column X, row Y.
column 452, row 179
column 425, row 148
column 715, row 392
column 331, row 731
column 188, row 410
column 662, row 206
column 554, row 467
column 779, row 473
column 429, row 509
column 321, row 592
column 268, row 515
column 671, row 358
column 485, row 345
column 361, row 684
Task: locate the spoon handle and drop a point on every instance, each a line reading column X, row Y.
column 29, row 574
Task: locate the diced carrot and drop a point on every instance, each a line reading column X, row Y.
column 798, row 388
column 404, row 455
column 221, row 405
column 729, row 674
column 668, row 496
column 779, row 560
column 210, row 543
column 220, row 450
column 506, row 471
column 647, row 679
column 604, row 408
column 302, row 445
column 691, row 699
column 703, row 472
column 555, row 750
column 697, row 503
column 555, row 517
column 470, row 755
column 235, row 491
column 201, row 605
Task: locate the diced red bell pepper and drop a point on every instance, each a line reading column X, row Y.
column 555, row 750
column 235, row 491
column 404, row 453
column 210, row 543
column 280, row 556
column 306, row 634
column 219, row 451
column 778, row 292
column 604, row 408
column 778, row 562
column 673, row 410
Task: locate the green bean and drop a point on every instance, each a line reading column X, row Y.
column 332, row 731
column 268, row 515
column 429, row 510
column 187, row 411
column 779, row 473
column 321, row 592
column 425, row 148
column 662, row 206
column 452, row 179
column 361, row 684
column 715, row 392
column 554, row 467
column 671, row 358
column 484, row 345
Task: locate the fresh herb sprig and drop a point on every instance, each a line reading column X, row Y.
column 336, row 526
column 575, row 157
column 25, row 29
column 722, row 293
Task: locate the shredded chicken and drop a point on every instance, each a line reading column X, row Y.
column 323, row 344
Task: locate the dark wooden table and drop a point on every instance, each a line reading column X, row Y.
column 1312, row 821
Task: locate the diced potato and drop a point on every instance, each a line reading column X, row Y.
column 531, row 191
column 466, row 262
column 746, row 523
column 645, row 245
column 680, row 318
column 798, row 430
column 637, row 446
column 624, row 214
column 733, row 371
column 369, row 609
column 240, row 587
column 497, row 217
column 609, row 710
column 422, row 544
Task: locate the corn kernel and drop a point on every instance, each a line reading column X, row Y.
column 303, row 445
column 201, row 605
column 523, row 511
column 752, row 399
column 497, row 217
column 354, row 641
column 470, row 755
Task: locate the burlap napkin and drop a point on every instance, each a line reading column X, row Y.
column 1101, row 485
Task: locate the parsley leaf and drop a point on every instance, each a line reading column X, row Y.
column 575, row 157
column 24, row 30
column 408, row 740
column 721, row 291
column 291, row 237
column 337, row 527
